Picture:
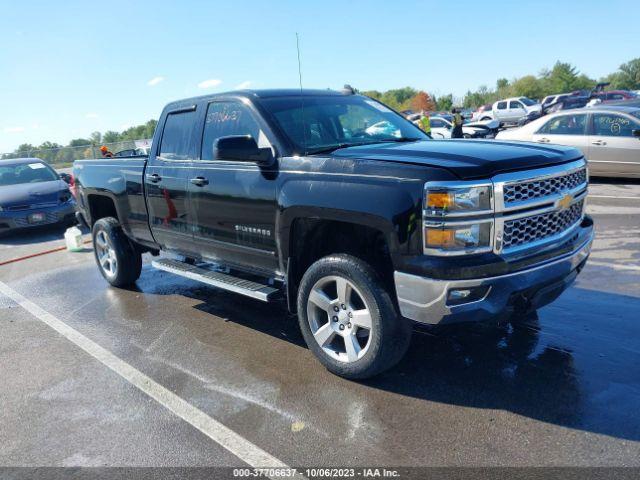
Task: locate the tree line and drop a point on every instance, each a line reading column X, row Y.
column 561, row 78
column 85, row 147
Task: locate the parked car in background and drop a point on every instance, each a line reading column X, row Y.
column 510, row 110
column 609, row 137
column 614, row 95
column 441, row 128
column 566, row 103
column 32, row 194
column 132, row 152
column 551, row 99
column 477, row 115
column 626, row 103
column 529, row 117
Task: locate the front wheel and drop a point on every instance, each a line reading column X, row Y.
column 118, row 260
column 348, row 319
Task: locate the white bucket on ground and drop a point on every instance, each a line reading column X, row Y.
column 73, row 238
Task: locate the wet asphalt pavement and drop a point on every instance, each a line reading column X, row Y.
column 558, row 388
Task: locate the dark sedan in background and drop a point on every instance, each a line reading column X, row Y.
column 33, row 194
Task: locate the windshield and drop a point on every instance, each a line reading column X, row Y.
column 35, row 172
column 324, row 123
column 527, row 101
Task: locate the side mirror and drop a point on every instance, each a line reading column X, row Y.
column 242, row 148
column 66, row 178
column 636, row 132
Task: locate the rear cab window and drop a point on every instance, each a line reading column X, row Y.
column 178, row 136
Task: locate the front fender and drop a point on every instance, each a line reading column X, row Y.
column 391, row 208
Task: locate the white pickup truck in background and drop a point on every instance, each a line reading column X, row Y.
column 510, row 110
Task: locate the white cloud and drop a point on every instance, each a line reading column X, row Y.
column 243, row 85
column 91, row 115
column 14, row 129
column 211, row 83
column 155, row 81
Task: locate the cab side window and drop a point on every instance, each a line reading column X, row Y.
column 565, row 125
column 226, row 119
column 611, row 125
column 513, row 104
column 178, row 142
column 502, row 105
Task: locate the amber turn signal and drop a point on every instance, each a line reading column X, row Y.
column 439, row 200
column 437, row 238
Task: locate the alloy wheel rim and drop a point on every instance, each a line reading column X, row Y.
column 106, row 254
column 339, row 318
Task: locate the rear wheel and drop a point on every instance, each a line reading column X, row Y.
column 348, row 319
column 118, row 260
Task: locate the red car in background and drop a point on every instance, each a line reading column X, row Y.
column 614, row 95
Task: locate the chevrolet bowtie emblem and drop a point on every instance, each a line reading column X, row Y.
column 565, row 201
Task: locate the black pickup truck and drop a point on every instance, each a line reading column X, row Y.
column 345, row 209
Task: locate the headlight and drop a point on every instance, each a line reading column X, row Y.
column 458, row 218
column 441, row 200
column 457, row 238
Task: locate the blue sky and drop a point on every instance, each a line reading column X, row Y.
column 69, row 68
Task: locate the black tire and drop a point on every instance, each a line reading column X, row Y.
column 128, row 260
column 485, row 118
column 390, row 334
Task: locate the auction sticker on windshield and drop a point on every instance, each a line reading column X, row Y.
column 36, row 166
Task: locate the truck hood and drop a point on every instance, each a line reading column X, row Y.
column 467, row 159
column 31, row 193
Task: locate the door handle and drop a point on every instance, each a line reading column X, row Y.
column 599, row 142
column 154, row 178
column 199, row 181
column 543, row 140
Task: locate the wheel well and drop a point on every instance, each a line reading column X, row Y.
column 100, row 207
column 312, row 239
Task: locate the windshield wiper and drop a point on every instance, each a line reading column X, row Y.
column 401, row 140
column 337, row 146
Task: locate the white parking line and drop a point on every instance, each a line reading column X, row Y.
column 216, row 431
column 615, row 266
column 614, row 196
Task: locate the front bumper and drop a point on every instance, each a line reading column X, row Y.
column 428, row 300
column 13, row 220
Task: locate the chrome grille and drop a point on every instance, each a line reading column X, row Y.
column 526, row 230
column 529, row 190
